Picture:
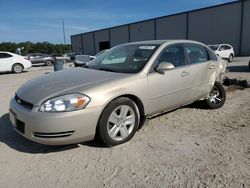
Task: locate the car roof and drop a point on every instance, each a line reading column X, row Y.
column 160, row 42
column 219, row 44
column 8, row 52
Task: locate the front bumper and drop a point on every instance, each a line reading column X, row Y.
column 54, row 128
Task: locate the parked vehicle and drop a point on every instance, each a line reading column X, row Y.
column 39, row 58
column 111, row 97
column 101, row 52
column 60, row 57
column 81, row 60
column 225, row 51
column 72, row 56
column 10, row 62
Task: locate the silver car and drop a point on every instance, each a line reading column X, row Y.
column 112, row 95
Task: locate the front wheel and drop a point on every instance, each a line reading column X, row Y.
column 217, row 96
column 119, row 122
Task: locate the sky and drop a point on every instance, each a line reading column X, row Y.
column 38, row 21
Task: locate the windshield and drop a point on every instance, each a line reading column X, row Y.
column 213, row 47
column 130, row 58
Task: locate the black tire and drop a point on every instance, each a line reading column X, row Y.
column 17, row 68
column 217, row 96
column 49, row 63
column 230, row 58
column 104, row 124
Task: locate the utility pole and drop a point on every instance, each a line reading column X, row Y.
column 63, row 31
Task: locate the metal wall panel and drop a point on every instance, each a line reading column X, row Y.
column 76, row 42
column 100, row 36
column 219, row 24
column 245, row 42
column 142, row 31
column 216, row 25
column 88, row 43
column 119, row 35
column 172, row 27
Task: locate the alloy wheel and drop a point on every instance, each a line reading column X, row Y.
column 215, row 96
column 18, row 68
column 121, row 123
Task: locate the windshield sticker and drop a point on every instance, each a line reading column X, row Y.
column 146, row 47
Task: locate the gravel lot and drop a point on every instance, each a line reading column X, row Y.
column 188, row 147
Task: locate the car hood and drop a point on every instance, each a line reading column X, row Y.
column 63, row 82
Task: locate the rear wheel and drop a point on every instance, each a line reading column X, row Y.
column 230, row 58
column 17, row 68
column 48, row 63
column 217, row 96
column 118, row 122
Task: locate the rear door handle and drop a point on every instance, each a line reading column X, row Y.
column 184, row 73
column 212, row 67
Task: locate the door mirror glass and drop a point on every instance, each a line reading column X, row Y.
column 164, row 66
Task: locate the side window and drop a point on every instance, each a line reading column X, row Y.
column 5, row 55
column 196, row 54
column 173, row 54
column 222, row 48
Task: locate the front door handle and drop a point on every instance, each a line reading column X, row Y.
column 185, row 73
column 212, row 67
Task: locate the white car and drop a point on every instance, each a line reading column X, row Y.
column 225, row 51
column 81, row 60
column 10, row 62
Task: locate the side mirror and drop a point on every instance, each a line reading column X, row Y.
column 164, row 66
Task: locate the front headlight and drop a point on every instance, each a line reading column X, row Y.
column 65, row 103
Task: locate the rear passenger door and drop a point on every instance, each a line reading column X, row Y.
column 202, row 69
column 6, row 61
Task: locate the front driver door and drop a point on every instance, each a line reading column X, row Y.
column 172, row 88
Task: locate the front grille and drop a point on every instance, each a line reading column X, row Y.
column 20, row 126
column 53, row 135
column 23, row 103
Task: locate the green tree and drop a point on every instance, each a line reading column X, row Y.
column 29, row 47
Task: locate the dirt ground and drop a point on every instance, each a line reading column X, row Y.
column 188, row 147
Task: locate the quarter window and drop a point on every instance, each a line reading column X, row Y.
column 173, row 54
column 196, row 54
column 227, row 47
column 211, row 54
column 5, row 55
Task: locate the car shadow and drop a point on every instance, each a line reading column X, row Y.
column 12, row 139
column 15, row 141
column 240, row 68
column 6, row 73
